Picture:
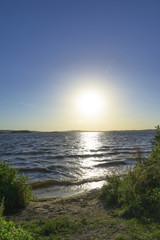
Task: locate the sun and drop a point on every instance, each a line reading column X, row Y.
column 90, row 103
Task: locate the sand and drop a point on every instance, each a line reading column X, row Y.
column 78, row 206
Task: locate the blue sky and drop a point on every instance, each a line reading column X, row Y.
column 51, row 50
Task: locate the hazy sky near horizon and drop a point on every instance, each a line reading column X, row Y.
column 51, row 51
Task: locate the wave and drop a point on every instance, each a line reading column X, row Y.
column 94, row 153
column 111, row 163
column 33, row 152
column 50, row 182
column 33, row 170
column 39, row 169
column 88, row 155
column 55, row 156
column 26, row 153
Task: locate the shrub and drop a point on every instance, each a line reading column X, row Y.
column 13, row 189
column 138, row 192
column 156, row 140
column 9, row 231
column 109, row 192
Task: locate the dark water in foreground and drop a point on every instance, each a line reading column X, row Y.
column 73, row 161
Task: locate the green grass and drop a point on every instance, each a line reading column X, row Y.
column 11, row 231
column 56, row 228
column 102, row 227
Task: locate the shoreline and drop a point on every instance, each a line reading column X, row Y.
column 77, row 206
column 68, row 190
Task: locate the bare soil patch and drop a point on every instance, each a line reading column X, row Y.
column 77, row 206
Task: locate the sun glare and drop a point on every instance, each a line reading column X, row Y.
column 90, row 103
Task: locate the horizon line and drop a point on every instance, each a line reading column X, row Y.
column 25, row 130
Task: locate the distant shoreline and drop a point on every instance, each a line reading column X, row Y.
column 34, row 131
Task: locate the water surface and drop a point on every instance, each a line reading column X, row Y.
column 72, row 161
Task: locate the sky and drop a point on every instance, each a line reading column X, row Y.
column 55, row 54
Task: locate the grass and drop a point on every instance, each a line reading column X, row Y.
column 11, row 231
column 57, row 228
column 102, row 227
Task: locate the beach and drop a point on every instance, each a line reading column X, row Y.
column 78, row 206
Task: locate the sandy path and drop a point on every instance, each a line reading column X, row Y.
column 77, row 206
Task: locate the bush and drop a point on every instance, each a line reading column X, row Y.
column 109, row 193
column 9, row 231
column 13, row 189
column 138, row 192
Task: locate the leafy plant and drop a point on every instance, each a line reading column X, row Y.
column 13, row 189
column 109, row 192
column 156, row 139
column 9, row 231
column 138, row 192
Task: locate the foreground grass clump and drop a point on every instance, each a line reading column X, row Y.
column 138, row 192
column 10, row 231
column 56, row 228
column 14, row 190
column 100, row 227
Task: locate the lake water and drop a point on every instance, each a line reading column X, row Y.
column 65, row 163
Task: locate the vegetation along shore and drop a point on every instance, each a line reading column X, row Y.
column 125, row 208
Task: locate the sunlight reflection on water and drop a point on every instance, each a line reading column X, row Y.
column 90, row 140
